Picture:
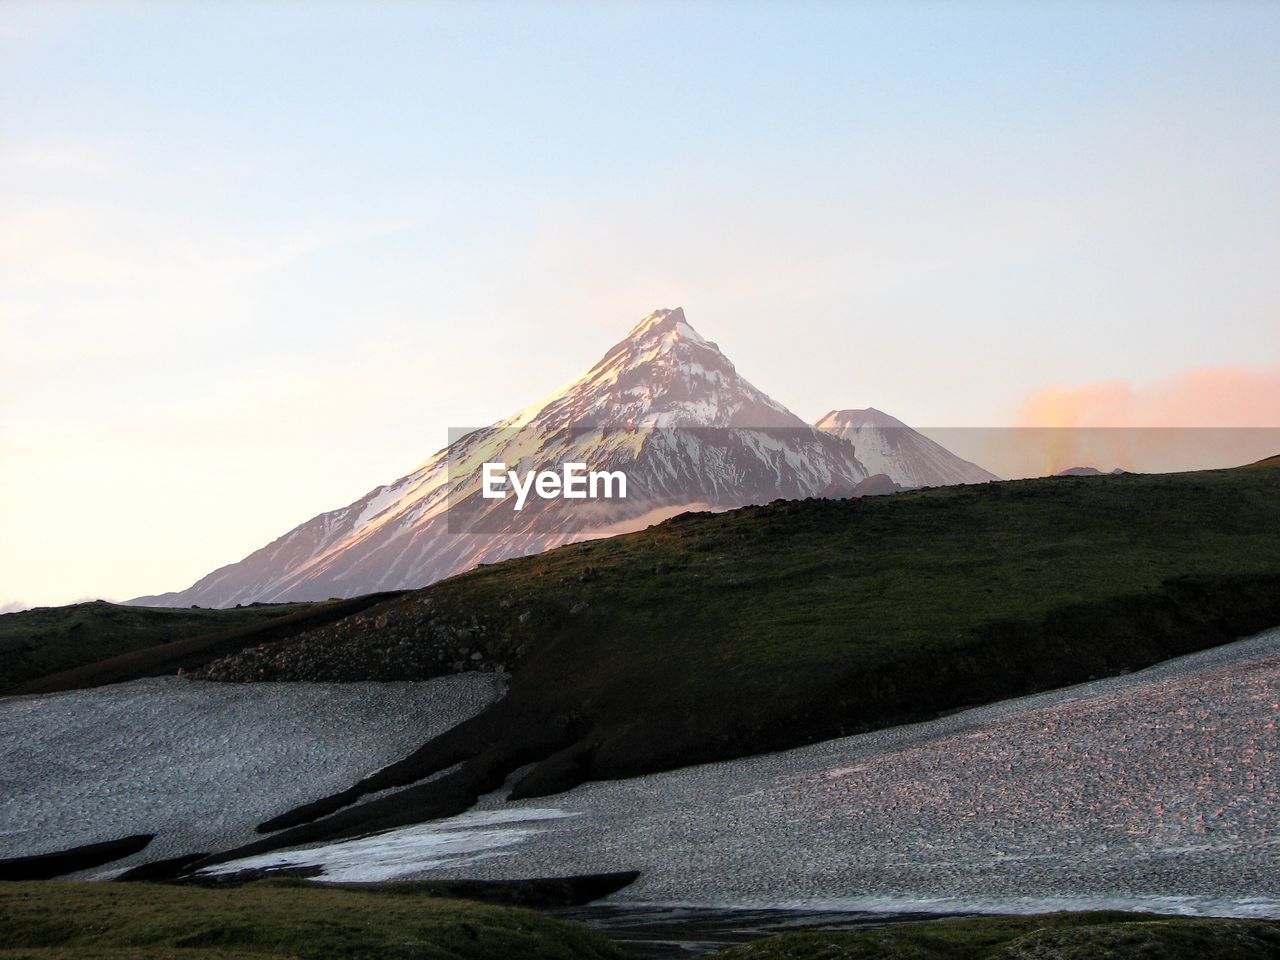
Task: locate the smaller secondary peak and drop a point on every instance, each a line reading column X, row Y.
column 854, row 419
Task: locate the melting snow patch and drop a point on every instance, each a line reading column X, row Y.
column 408, row 850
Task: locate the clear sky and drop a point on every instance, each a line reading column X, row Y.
column 257, row 258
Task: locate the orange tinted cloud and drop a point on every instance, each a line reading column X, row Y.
column 1205, row 397
column 1203, row 418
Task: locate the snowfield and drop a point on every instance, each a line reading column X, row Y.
column 201, row 764
column 1158, row 791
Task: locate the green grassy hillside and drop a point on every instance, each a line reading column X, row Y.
column 62, row 648
column 1060, row 936
column 55, row 920
column 709, row 637
column 277, row 919
column 47, row 640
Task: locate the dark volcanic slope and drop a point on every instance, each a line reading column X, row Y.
column 48, row 865
column 709, row 637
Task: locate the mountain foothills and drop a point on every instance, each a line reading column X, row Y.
column 664, row 405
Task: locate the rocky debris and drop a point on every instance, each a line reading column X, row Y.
column 407, row 641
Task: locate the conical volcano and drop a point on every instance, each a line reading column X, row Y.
column 663, row 406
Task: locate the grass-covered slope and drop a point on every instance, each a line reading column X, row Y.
column 1061, row 936
column 277, row 919
column 709, row 637
column 47, row 640
column 274, row 919
column 90, row 644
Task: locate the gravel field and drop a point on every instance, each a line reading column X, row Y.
column 200, row 764
column 1158, row 790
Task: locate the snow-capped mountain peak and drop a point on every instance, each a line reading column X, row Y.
column 663, row 405
column 663, row 374
column 667, row 326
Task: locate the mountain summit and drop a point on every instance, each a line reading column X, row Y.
column 663, row 405
column 663, row 374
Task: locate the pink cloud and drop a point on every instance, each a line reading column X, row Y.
column 1203, row 418
column 1204, row 397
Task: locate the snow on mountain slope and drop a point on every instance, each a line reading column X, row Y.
column 887, row 445
column 664, row 405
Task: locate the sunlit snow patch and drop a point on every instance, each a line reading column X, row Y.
column 407, row 850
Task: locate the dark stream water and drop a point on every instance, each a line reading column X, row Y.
column 666, row 931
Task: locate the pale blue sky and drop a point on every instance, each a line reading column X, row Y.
column 257, row 258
